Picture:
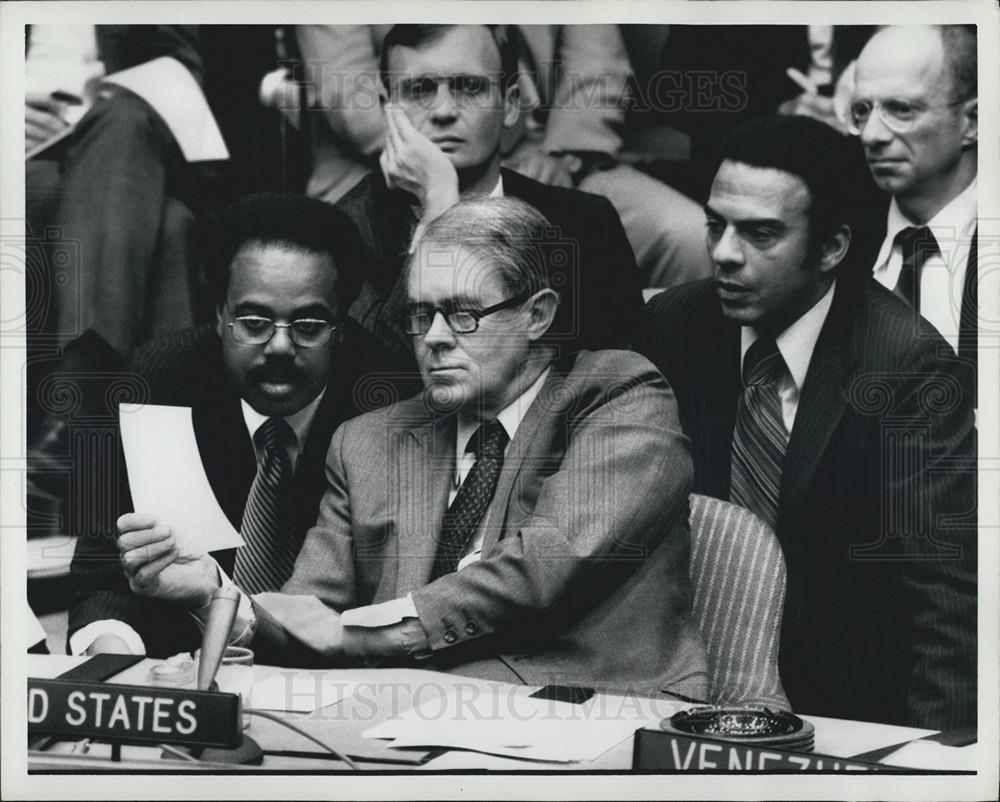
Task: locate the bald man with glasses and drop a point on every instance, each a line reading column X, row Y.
column 915, row 109
column 525, row 519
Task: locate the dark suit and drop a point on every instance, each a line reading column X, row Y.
column 590, row 261
column 186, row 369
column 877, row 503
column 584, row 571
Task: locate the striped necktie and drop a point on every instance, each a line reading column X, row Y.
column 267, row 559
column 759, row 438
column 917, row 245
column 474, row 496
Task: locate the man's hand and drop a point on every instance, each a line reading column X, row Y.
column 548, row 168
column 307, row 619
column 155, row 568
column 108, row 644
column 43, row 119
column 413, row 163
column 809, row 104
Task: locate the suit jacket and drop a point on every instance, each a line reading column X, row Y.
column 590, row 262
column 877, row 507
column 186, row 369
column 968, row 326
column 584, row 571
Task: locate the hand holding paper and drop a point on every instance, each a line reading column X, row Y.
column 154, row 567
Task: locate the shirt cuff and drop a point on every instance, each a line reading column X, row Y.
column 400, row 630
column 245, row 623
column 83, row 638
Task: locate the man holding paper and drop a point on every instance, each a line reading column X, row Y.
column 266, row 390
column 525, row 519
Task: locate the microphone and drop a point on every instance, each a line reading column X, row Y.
column 221, row 615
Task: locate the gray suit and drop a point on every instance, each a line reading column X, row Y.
column 584, row 570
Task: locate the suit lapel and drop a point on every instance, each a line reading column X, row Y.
column 968, row 337
column 516, row 457
column 822, row 401
column 426, row 467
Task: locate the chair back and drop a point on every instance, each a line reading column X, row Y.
column 738, row 582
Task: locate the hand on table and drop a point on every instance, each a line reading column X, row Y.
column 307, row 619
column 155, row 568
column 43, row 119
column 413, row 163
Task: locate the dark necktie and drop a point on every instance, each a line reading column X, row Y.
column 759, row 438
column 474, row 496
column 917, row 245
column 267, row 559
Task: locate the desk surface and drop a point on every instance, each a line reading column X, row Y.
column 384, row 693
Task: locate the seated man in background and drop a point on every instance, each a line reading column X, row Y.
column 525, row 519
column 847, row 434
column 573, row 93
column 110, row 189
column 267, row 387
column 451, row 94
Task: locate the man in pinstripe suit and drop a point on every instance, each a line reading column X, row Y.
column 849, row 433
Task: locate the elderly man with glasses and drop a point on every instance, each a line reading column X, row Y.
column 524, row 519
column 915, row 108
column 266, row 388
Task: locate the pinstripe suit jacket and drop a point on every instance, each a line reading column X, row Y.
column 584, row 571
column 877, row 513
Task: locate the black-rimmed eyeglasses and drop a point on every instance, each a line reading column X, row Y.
column 418, row 318
column 304, row 332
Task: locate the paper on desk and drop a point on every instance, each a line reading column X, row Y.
column 508, row 722
column 299, row 692
column 167, row 85
column 168, row 481
column 933, row 755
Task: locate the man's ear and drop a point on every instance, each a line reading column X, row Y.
column 542, row 308
column 220, row 326
column 970, row 123
column 511, row 105
column 834, row 248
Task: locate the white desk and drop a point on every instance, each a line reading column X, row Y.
column 384, row 693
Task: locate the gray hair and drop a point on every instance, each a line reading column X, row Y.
column 507, row 232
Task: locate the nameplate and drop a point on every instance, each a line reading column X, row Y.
column 133, row 713
column 665, row 751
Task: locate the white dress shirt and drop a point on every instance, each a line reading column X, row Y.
column 299, row 422
column 942, row 278
column 796, row 345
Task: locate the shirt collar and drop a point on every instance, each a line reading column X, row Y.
column 510, row 417
column 299, row 422
column 797, row 342
column 497, row 191
column 956, row 220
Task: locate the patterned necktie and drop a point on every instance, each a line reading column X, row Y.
column 474, row 496
column 759, row 439
column 917, row 245
column 267, row 559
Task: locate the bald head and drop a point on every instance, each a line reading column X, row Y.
column 915, row 88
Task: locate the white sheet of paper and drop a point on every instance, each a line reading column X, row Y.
column 507, row 721
column 300, row 693
column 168, row 480
column 166, row 85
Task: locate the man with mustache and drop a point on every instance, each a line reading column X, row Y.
column 449, row 95
column 524, row 520
column 267, row 387
column 809, row 401
column 916, row 110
